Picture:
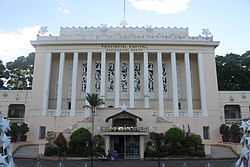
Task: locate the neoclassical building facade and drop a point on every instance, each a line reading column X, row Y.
column 151, row 79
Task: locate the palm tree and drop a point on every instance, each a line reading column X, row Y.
column 93, row 102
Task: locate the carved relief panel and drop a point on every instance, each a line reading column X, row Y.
column 124, row 77
column 98, row 77
column 164, row 77
column 137, row 74
column 84, row 77
column 111, row 77
column 150, row 77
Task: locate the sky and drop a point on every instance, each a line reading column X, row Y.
column 228, row 20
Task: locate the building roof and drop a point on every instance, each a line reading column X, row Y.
column 127, row 35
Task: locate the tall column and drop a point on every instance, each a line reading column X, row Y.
column 117, row 78
column 74, row 84
column 60, row 85
column 141, row 147
column 89, row 71
column 160, row 85
column 146, row 94
column 188, row 84
column 47, row 70
column 107, row 144
column 103, row 71
column 131, row 80
column 202, row 85
column 174, row 84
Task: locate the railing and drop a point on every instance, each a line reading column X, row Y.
column 16, row 120
column 234, row 120
column 125, row 129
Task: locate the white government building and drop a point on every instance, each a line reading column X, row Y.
column 150, row 79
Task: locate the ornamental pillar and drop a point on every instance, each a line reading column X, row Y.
column 160, row 85
column 74, row 84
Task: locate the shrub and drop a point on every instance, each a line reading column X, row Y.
column 174, row 143
column 175, row 138
column 18, row 131
column 224, row 131
column 193, row 145
column 235, row 133
column 61, row 144
column 79, row 144
column 50, row 150
column 99, row 145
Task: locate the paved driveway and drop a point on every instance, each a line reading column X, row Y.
column 131, row 163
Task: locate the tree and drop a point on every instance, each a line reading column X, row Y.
column 93, row 101
column 20, row 72
column 3, row 75
column 233, row 71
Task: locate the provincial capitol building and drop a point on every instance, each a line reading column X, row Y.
column 151, row 79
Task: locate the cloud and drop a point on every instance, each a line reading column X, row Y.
column 17, row 43
column 61, row 7
column 161, row 6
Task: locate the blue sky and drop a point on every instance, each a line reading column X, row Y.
column 228, row 20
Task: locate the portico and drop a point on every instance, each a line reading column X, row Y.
column 128, row 89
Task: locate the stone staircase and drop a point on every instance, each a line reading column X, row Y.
column 222, row 152
column 27, row 151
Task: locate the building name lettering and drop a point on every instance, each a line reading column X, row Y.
column 124, row 47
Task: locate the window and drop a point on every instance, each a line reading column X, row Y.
column 69, row 105
column 206, row 135
column 232, row 112
column 42, row 132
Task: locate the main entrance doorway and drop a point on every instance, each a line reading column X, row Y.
column 126, row 147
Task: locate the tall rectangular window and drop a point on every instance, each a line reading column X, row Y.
column 42, row 132
column 206, row 135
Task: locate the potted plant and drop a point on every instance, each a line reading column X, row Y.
column 224, row 131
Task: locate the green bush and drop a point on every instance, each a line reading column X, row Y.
column 99, row 145
column 174, row 139
column 193, row 145
column 80, row 142
column 225, row 132
column 61, row 144
column 50, row 150
column 235, row 133
column 18, row 131
column 174, row 143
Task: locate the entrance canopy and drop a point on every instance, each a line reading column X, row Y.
column 124, row 115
